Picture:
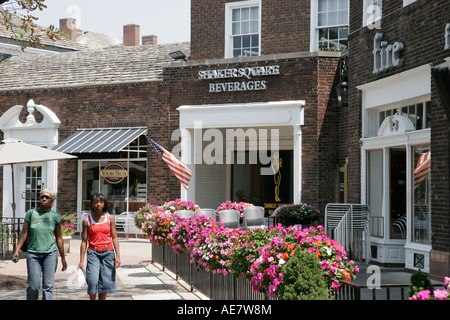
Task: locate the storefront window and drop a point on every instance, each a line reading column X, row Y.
column 398, row 190
column 375, row 191
column 419, row 114
column 124, row 184
column 421, row 224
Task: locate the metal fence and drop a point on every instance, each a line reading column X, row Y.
column 9, row 234
column 352, row 291
column 214, row 286
column 348, row 224
column 227, row 287
column 219, row 286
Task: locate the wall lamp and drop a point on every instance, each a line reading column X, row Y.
column 342, row 91
column 342, row 87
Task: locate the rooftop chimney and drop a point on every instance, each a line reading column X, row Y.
column 69, row 27
column 150, row 39
column 131, row 35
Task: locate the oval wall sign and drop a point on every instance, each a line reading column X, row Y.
column 114, row 173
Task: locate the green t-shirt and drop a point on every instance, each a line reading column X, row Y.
column 41, row 238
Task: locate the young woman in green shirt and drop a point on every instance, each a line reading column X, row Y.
column 42, row 227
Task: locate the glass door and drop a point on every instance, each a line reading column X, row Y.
column 374, row 191
column 397, row 188
column 32, row 181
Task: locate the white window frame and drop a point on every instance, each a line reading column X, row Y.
column 314, row 21
column 408, row 2
column 372, row 12
column 228, row 23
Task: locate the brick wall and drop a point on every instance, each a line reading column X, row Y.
column 420, row 26
column 108, row 106
column 154, row 105
column 285, row 27
column 311, row 79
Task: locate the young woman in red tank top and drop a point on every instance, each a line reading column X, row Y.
column 100, row 245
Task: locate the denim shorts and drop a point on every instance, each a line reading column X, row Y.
column 101, row 272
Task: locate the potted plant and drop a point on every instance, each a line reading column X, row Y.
column 239, row 206
column 178, row 204
column 68, row 229
column 293, row 214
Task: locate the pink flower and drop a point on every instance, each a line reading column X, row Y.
column 336, row 285
column 325, row 264
column 423, row 295
column 446, row 282
column 440, row 294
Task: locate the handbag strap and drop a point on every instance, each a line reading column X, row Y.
column 31, row 215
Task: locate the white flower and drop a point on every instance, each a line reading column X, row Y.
column 281, row 262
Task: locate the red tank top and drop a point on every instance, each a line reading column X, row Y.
column 99, row 234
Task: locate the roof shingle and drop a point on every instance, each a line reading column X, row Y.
column 115, row 65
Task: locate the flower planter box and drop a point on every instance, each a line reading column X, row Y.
column 66, row 241
column 214, row 286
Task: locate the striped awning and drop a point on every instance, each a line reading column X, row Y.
column 100, row 140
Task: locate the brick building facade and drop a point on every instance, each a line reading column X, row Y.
column 411, row 35
column 293, row 96
column 256, row 68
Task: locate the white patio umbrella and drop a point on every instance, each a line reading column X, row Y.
column 13, row 151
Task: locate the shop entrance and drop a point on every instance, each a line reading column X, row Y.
column 398, row 191
column 268, row 191
column 33, row 179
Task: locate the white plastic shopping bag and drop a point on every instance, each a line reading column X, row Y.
column 80, row 280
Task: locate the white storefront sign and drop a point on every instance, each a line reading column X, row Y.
column 385, row 55
column 248, row 73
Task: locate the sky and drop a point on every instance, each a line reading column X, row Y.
column 169, row 20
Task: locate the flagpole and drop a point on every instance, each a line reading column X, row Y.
column 13, row 204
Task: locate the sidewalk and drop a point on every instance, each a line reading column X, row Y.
column 136, row 279
column 139, row 279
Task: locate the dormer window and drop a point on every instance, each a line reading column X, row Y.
column 243, row 29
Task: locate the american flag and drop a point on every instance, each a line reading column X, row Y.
column 422, row 168
column 182, row 173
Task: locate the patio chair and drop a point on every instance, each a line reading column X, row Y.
column 211, row 213
column 230, row 218
column 253, row 217
column 399, row 228
column 184, row 213
column 130, row 225
column 80, row 217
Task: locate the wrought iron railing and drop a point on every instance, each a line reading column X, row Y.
column 9, row 234
column 219, row 286
column 214, row 286
column 227, row 287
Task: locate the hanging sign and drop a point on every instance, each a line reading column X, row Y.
column 114, row 173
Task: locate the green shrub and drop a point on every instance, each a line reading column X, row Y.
column 303, row 278
column 419, row 282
